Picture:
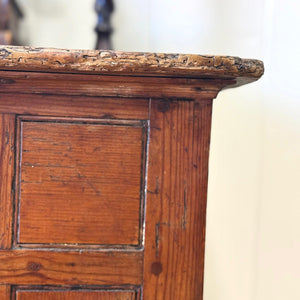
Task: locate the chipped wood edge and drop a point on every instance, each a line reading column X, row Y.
column 130, row 63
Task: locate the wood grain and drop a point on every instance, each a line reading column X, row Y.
column 7, row 145
column 176, row 199
column 71, row 295
column 33, row 267
column 74, row 106
column 5, row 292
column 109, row 86
column 80, row 182
column 128, row 63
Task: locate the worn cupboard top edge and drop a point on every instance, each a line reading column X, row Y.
column 129, row 63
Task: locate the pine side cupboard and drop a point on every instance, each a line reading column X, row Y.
column 104, row 166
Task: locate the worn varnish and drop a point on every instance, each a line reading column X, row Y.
column 104, row 166
column 130, row 63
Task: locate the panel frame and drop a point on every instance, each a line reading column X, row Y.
column 7, row 178
column 143, row 124
column 77, row 267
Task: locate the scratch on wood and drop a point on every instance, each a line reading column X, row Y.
column 185, row 208
column 64, row 144
column 108, row 116
column 6, row 137
column 13, row 186
column 81, row 177
column 55, row 165
column 157, row 233
column 156, row 192
column 55, row 178
column 7, row 81
column 156, row 128
column 157, row 227
column 12, row 137
column 93, row 188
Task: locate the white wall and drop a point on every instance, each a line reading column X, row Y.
column 57, row 23
column 253, row 222
column 278, row 261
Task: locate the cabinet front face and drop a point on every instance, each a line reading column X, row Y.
column 102, row 198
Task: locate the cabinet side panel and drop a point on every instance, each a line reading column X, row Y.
column 176, row 200
column 7, row 136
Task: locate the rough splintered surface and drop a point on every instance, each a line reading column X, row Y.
column 129, row 63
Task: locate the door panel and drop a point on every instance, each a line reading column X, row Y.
column 72, row 200
column 79, row 182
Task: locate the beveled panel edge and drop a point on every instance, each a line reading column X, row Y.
column 78, row 120
column 129, row 63
column 100, row 288
column 77, row 287
column 143, row 124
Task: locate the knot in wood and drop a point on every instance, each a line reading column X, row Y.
column 33, row 266
column 156, row 268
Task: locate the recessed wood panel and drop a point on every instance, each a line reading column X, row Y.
column 75, row 295
column 80, row 182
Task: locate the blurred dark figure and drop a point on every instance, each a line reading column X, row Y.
column 5, row 33
column 8, row 8
column 104, row 9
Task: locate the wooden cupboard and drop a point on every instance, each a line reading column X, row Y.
column 104, row 165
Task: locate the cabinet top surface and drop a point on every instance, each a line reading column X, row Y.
column 129, row 63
